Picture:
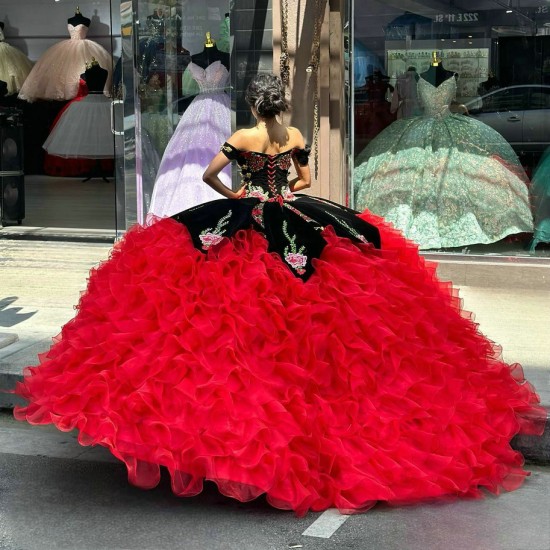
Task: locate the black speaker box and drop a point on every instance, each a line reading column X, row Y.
column 12, row 186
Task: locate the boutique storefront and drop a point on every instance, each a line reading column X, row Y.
column 451, row 121
column 434, row 114
column 116, row 98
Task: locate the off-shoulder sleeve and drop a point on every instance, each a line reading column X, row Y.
column 302, row 155
column 229, row 151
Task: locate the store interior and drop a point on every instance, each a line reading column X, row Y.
column 55, row 115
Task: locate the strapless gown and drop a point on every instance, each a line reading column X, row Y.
column 283, row 345
column 56, row 75
column 445, row 180
column 195, row 142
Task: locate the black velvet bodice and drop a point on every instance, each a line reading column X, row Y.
column 265, row 176
column 95, row 78
column 293, row 224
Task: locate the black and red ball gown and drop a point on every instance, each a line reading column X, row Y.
column 280, row 344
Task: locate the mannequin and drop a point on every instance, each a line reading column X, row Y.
column 84, row 129
column 56, row 74
column 210, row 54
column 78, row 19
column 437, row 74
column 95, row 77
column 196, row 139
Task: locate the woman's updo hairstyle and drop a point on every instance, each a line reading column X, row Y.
column 267, row 95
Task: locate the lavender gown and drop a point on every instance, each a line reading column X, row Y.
column 205, row 124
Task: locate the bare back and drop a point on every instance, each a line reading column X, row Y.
column 270, row 139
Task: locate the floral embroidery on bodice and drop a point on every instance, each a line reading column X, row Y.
column 79, row 32
column 293, row 225
column 265, row 176
column 436, row 99
column 214, row 78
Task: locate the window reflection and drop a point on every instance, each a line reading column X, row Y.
column 451, row 121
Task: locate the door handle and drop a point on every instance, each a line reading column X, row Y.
column 514, row 118
column 113, row 130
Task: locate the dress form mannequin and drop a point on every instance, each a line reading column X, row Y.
column 56, row 74
column 84, row 130
column 95, row 77
column 437, row 74
column 78, row 19
column 210, row 54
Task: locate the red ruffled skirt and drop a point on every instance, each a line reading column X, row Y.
column 364, row 383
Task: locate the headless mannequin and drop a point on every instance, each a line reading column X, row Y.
column 78, row 19
column 209, row 54
column 95, row 77
column 437, row 74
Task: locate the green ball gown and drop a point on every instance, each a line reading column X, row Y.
column 444, row 179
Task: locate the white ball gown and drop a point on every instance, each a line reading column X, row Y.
column 56, row 74
column 205, row 124
column 84, row 129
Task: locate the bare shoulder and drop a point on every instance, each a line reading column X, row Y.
column 239, row 139
column 295, row 137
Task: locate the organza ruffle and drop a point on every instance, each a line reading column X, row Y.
column 366, row 383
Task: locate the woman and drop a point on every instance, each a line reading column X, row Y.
column 281, row 344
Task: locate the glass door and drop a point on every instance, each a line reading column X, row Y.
column 158, row 41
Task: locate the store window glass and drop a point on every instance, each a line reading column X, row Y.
column 56, row 143
column 182, row 79
column 451, row 109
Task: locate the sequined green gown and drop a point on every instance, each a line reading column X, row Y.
column 540, row 192
column 446, row 180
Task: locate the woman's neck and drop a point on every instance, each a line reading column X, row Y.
column 266, row 123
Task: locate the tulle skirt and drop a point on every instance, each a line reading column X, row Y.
column 445, row 182
column 364, row 383
column 205, row 124
column 83, row 130
column 15, row 66
column 56, row 75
